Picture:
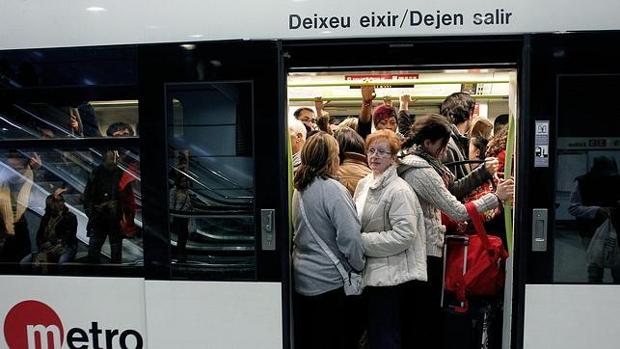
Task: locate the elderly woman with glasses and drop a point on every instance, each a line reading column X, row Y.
column 394, row 240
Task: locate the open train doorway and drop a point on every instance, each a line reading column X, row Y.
column 332, row 99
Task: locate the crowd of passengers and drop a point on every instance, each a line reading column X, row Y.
column 376, row 200
column 108, row 200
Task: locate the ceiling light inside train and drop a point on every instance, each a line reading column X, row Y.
column 96, row 9
column 196, row 36
column 188, row 47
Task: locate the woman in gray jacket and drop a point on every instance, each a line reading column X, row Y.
column 430, row 180
column 394, row 240
column 322, row 312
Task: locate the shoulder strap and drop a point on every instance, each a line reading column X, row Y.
column 476, row 219
column 320, row 241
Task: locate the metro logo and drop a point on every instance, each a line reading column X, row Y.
column 34, row 325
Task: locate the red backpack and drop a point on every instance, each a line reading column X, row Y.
column 482, row 273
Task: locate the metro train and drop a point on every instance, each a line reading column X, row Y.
column 205, row 95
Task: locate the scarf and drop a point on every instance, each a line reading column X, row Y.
column 437, row 165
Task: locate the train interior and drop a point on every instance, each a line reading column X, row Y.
column 494, row 91
column 341, row 91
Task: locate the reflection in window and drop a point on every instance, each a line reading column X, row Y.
column 211, row 205
column 79, row 120
column 57, row 204
column 588, row 184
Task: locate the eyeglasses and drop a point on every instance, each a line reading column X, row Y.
column 378, row 152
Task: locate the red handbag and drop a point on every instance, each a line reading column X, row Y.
column 482, row 272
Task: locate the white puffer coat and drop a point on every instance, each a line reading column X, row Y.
column 392, row 230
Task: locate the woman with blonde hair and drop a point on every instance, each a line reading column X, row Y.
column 323, row 216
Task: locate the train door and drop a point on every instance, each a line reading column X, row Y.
column 427, row 69
column 569, row 192
column 218, row 261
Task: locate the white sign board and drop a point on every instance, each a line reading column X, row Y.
column 44, row 23
column 64, row 312
column 571, row 316
column 214, row 315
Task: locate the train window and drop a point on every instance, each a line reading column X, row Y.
column 70, row 185
column 75, row 120
column 588, row 187
column 211, row 176
column 63, row 67
column 58, row 207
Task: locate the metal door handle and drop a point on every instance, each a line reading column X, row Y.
column 268, row 231
column 539, row 229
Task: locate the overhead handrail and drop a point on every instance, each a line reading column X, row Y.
column 401, row 82
column 419, row 98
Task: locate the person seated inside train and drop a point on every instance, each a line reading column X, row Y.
column 56, row 236
column 353, row 161
column 430, row 179
column 307, row 117
column 323, row 209
column 394, row 240
column 457, row 109
column 595, row 196
column 120, row 129
column 384, row 116
column 297, row 134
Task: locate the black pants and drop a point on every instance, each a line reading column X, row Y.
column 102, row 229
column 429, row 316
column 16, row 246
column 180, row 227
column 326, row 321
column 392, row 314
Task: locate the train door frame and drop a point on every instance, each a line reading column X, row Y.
column 427, row 54
column 549, row 58
column 201, row 64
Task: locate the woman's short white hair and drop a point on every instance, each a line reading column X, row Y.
column 295, row 126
